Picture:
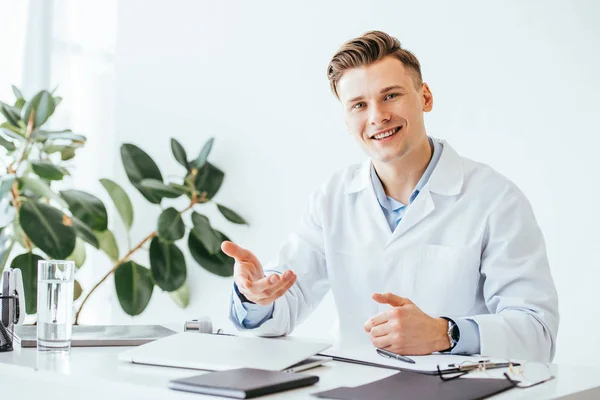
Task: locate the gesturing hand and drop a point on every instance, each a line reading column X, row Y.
column 250, row 278
column 405, row 328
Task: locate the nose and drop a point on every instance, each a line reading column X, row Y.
column 378, row 115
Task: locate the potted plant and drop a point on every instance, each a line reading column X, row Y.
column 43, row 222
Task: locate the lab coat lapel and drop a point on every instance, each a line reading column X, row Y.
column 420, row 208
column 446, row 179
column 362, row 186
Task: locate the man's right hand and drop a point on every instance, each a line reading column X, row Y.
column 250, row 278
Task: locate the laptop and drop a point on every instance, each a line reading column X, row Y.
column 98, row 335
column 194, row 350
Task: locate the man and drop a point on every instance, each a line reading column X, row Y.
column 425, row 251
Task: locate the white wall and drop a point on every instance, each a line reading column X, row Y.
column 514, row 82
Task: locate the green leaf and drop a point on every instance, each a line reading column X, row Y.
column 203, row 231
column 12, row 132
column 43, row 105
column 108, row 244
column 27, row 263
column 78, row 255
column 134, row 287
column 40, row 188
column 181, row 188
column 19, row 104
column 67, row 134
column 6, row 245
column 57, row 100
column 67, row 153
column 6, row 183
column 138, row 166
column 231, row 215
column 158, row 188
column 84, row 232
column 88, row 208
column 7, row 144
column 167, row 265
column 209, row 180
column 17, row 92
column 203, row 156
column 18, row 234
column 10, row 113
column 47, row 228
column 47, row 170
column 181, row 296
column 218, row 264
column 179, row 153
column 77, row 290
column 52, row 147
column 121, row 201
column 170, row 225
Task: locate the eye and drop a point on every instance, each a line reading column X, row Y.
column 391, row 96
column 359, row 105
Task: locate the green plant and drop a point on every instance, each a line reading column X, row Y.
column 48, row 223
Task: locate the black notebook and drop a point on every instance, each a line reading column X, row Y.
column 242, row 383
column 415, row 386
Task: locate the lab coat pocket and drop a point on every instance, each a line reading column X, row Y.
column 445, row 279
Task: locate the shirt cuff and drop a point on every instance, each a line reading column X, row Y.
column 248, row 315
column 469, row 342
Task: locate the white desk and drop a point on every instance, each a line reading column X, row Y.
column 96, row 373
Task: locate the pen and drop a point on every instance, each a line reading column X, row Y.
column 389, row 354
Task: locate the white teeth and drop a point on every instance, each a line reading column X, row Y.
column 386, row 134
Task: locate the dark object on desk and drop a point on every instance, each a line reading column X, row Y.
column 99, row 335
column 6, row 323
column 242, row 383
column 410, row 385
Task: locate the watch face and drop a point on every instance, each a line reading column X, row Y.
column 455, row 333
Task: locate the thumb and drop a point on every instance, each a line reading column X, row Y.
column 240, row 254
column 233, row 250
column 391, row 299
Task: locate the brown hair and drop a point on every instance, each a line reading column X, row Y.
column 367, row 49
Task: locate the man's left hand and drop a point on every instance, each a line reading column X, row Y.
column 405, row 328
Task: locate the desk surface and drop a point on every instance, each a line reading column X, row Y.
column 96, row 373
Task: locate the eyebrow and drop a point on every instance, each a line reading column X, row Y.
column 384, row 90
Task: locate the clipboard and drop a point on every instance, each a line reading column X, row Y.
column 449, row 363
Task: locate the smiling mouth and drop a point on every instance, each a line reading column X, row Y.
column 386, row 134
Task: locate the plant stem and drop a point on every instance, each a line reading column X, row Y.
column 28, row 135
column 113, row 269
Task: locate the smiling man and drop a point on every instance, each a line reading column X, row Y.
column 425, row 251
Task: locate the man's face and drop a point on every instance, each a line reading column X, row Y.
column 383, row 109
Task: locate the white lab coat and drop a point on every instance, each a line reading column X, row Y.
column 468, row 246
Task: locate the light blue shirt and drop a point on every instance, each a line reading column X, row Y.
column 248, row 315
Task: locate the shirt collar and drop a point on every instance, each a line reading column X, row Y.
column 392, row 204
column 446, row 177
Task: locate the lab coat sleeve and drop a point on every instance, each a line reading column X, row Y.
column 518, row 287
column 303, row 253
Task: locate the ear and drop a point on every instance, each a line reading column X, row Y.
column 427, row 98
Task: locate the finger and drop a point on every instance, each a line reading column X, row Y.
column 379, row 319
column 380, row 330
column 240, row 254
column 275, row 291
column 382, row 342
column 286, row 285
column 391, row 299
column 267, row 283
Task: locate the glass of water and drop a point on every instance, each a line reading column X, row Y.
column 55, row 305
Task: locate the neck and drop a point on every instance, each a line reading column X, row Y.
column 399, row 177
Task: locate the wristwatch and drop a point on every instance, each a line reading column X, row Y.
column 453, row 334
